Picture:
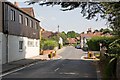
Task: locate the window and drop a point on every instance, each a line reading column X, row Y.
column 20, row 18
column 30, row 43
column 31, row 23
column 12, row 15
column 36, row 25
column 20, row 45
column 26, row 21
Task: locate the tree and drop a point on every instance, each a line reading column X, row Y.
column 96, row 30
column 90, row 10
column 106, row 31
column 101, row 30
column 71, row 34
column 63, row 36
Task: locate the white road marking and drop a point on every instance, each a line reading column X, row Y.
column 56, row 69
column 17, row 70
column 69, row 73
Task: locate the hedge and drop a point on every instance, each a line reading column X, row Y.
column 93, row 43
column 49, row 44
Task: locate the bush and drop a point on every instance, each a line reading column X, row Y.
column 93, row 43
column 49, row 44
column 85, row 48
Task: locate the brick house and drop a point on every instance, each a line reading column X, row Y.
column 88, row 35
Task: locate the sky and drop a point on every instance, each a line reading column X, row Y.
column 50, row 17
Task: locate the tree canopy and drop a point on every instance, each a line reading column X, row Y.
column 90, row 10
column 71, row 34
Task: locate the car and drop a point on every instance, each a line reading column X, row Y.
column 77, row 47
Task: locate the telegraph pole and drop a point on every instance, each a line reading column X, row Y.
column 58, row 37
column 58, row 28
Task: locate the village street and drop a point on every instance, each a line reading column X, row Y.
column 69, row 66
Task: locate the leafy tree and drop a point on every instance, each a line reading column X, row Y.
column 63, row 36
column 71, row 34
column 77, row 35
column 96, row 30
column 101, row 30
column 90, row 10
column 106, row 31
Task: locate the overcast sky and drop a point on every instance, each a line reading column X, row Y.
column 51, row 17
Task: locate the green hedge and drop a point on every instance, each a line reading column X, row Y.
column 49, row 44
column 93, row 43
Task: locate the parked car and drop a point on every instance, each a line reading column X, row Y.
column 77, row 47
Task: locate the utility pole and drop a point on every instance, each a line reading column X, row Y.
column 58, row 28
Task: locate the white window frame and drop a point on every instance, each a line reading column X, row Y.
column 31, row 23
column 26, row 21
column 12, row 15
column 20, row 18
column 36, row 25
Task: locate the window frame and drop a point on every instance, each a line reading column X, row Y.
column 12, row 15
column 20, row 18
column 20, row 46
column 31, row 23
column 26, row 21
column 36, row 25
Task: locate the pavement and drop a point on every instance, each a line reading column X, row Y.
column 25, row 62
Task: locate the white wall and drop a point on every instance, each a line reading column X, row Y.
column 81, row 44
column 32, row 51
column 13, row 49
column 0, row 48
column 3, row 47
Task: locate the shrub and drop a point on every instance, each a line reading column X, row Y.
column 93, row 43
column 49, row 44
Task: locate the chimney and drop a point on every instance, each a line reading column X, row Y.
column 16, row 4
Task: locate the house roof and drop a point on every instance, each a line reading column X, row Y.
column 47, row 34
column 29, row 10
column 9, row 3
column 91, row 34
column 72, row 40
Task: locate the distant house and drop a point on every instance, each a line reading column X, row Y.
column 88, row 35
column 47, row 34
column 72, row 40
column 19, row 32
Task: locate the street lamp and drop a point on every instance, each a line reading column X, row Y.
column 41, row 30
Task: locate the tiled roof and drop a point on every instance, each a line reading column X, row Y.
column 47, row 34
column 91, row 34
column 72, row 40
column 9, row 3
column 29, row 11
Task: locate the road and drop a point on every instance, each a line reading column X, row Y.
column 70, row 66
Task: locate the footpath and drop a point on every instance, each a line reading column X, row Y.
column 25, row 62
